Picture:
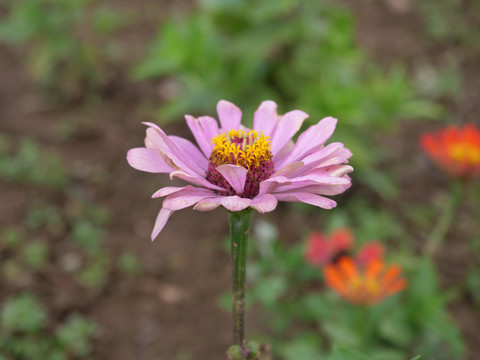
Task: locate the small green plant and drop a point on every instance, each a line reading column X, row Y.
column 26, row 334
column 35, row 255
column 11, row 237
column 23, row 314
column 31, row 164
column 75, row 334
column 129, row 264
column 449, row 21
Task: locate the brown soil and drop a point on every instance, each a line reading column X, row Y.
column 172, row 309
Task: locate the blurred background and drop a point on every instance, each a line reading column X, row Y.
column 79, row 277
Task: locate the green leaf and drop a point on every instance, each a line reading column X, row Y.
column 270, row 289
column 305, row 347
column 342, row 353
column 23, row 313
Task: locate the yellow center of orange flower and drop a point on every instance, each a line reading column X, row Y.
column 464, row 152
column 250, row 150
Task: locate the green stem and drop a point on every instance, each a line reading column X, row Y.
column 440, row 230
column 240, row 223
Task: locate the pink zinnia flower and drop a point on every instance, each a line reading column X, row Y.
column 237, row 168
column 322, row 250
column 370, row 251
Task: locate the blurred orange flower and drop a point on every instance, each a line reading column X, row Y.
column 455, row 149
column 366, row 285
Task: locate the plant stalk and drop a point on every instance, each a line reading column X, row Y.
column 437, row 236
column 240, row 223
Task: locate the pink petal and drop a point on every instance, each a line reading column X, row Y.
column 175, row 152
column 186, row 197
column 235, row 203
column 195, row 180
column 289, row 169
column 315, row 189
column 235, row 175
column 270, row 185
column 166, row 191
column 264, row 203
column 192, row 152
column 312, row 139
column 284, row 152
column 204, row 129
column 338, row 170
column 148, row 160
column 332, row 154
column 266, row 118
column 283, row 184
column 287, row 127
column 229, row 115
column 160, row 222
column 208, row 204
column 308, row 198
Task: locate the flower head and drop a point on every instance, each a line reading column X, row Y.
column 237, row 168
column 364, row 286
column 455, row 149
column 323, row 249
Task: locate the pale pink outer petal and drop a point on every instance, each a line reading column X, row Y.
column 264, row 203
column 208, row 204
column 166, row 191
column 322, row 182
column 177, row 155
column 332, row 154
column 196, row 158
column 268, row 186
column 229, row 115
column 338, row 170
column 287, row 127
column 186, row 197
column 315, row 189
column 195, row 180
column 160, row 222
column 311, row 140
column 148, row 160
column 308, row 198
column 235, row 203
column 235, row 175
column 329, row 184
column 282, row 154
column 289, row 169
column 204, row 129
column 266, row 118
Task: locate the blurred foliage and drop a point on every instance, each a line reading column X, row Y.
column 61, row 236
column 300, row 54
column 452, row 21
column 28, row 164
column 26, row 334
column 303, row 318
column 473, row 277
column 68, row 44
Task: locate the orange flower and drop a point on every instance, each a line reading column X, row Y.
column 364, row 286
column 455, row 149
